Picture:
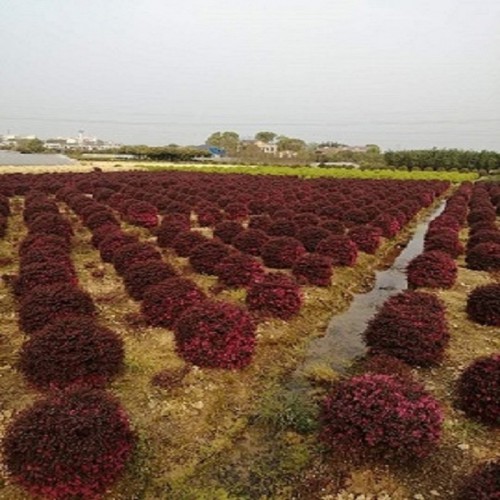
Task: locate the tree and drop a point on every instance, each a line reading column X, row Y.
column 266, row 137
column 225, row 140
column 290, row 144
column 30, row 146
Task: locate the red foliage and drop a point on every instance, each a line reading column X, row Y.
column 239, row 270
column 446, row 242
column 282, row 227
column 282, row 252
column 51, row 224
column 478, row 390
column 310, row 236
column 445, row 221
column 186, row 241
column 142, row 213
column 410, row 326
column 484, row 236
column 251, row 241
column 33, row 210
column 215, row 335
column 71, row 350
column 45, row 242
column 483, row 305
column 45, row 273
column 227, row 230
column 209, row 216
column 236, row 211
column 313, row 269
column 101, row 218
column 73, row 445
column 306, row 219
column 169, row 229
column 367, row 238
column 262, row 222
column 138, row 277
column 484, row 257
column 166, row 301
column 45, row 303
column 102, row 232
column 334, row 226
column 382, row 416
column 388, row 225
column 3, row 226
column 113, row 242
column 385, row 364
column 481, row 215
column 482, row 484
column 205, row 257
column 341, row 249
column 49, row 255
column 133, row 253
column 434, row 269
column 276, row 295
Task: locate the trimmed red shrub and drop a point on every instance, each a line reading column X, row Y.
column 48, row 255
column 239, row 270
column 385, row 364
column 282, row 227
column 275, row 295
column 33, row 210
column 251, row 241
column 388, row 225
column 478, row 390
column 186, row 241
column 482, row 226
column 484, row 257
column 310, row 236
column 142, row 213
column 45, row 303
column 382, row 416
column 481, row 215
column 128, row 255
column 445, row 221
column 51, row 224
column 262, row 222
column 483, row 305
column 3, row 226
column 102, row 232
column 45, row 242
column 484, row 236
column 282, row 252
column 236, row 211
column 166, row 301
column 101, row 218
column 306, row 219
column 446, row 242
column 138, row 277
column 313, row 269
column 367, row 238
column 110, row 244
column 215, row 335
column 45, row 273
column 205, row 257
column 73, row 445
column 168, row 230
column 410, row 326
column 334, row 226
column 71, row 350
column 432, row 269
column 227, row 230
column 340, row 248
column 209, row 216
column 482, row 484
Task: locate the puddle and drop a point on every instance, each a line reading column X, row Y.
column 343, row 339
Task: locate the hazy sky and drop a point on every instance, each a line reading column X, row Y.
column 399, row 73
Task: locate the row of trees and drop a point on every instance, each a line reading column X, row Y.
column 444, row 159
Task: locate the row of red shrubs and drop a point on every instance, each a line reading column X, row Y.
column 4, row 214
column 76, row 442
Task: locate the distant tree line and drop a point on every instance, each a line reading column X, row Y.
column 444, row 159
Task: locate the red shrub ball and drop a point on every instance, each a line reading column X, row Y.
column 483, row 305
column 478, row 390
column 306, row 219
column 276, row 295
column 45, row 273
column 282, row 252
column 140, row 276
column 484, row 257
column 215, row 335
column 385, row 364
column 481, row 215
column 311, row 236
column 33, row 210
column 47, row 256
column 447, row 243
column 205, row 257
column 102, row 232
column 388, row 225
column 341, row 249
column 46, row 242
column 51, row 224
column 410, row 326
column 432, row 269
column 113, row 242
column 227, row 230
column 169, row 229
column 261, row 222
column 484, row 236
column 334, row 226
column 313, row 269
column 236, row 211
column 101, row 218
column 165, row 302
column 251, row 241
column 282, row 227
column 209, row 216
column 47, row 303
column 383, row 416
column 73, row 445
column 367, row 238
column 445, row 221
column 482, row 484
column 239, row 270
column 133, row 253
column 142, row 213
column 186, row 241
column 71, row 350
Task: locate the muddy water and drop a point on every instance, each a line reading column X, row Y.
column 343, row 339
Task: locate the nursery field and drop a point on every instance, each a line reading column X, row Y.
column 154, row 328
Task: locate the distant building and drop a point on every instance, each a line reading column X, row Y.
column 264, row 147
column 81, row 143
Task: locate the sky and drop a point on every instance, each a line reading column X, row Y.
column 397, row 73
